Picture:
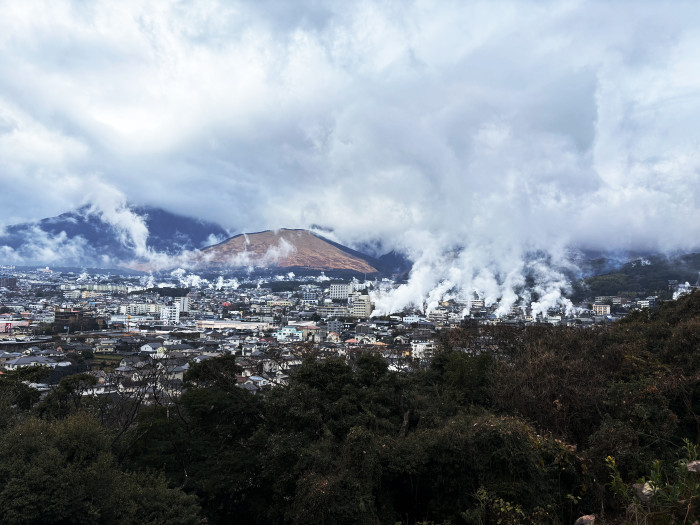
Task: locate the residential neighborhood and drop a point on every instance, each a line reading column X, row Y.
column 136, row 336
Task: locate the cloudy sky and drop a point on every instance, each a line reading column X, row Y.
column 502, row 127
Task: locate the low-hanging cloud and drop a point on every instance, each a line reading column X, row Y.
column 485, row 140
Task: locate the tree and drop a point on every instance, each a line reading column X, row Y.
column 201, row 441
column 15, row 394
column 67, row 397
column 65, row 472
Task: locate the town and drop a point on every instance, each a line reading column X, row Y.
column 138, row 338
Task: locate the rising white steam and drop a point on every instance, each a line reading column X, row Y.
column 482, row 139
column 222, row 283
column 186, row 280
column 110, row 205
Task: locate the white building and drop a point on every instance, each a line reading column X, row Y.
column 601, row 309
column 422, row 349
column 359, row 305
column 288, row 333
column 340, row 291
column 170, row 314
column 438, row 316
column 183, row 302
column 139, row 309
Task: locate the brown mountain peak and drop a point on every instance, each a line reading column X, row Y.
column 282, row 249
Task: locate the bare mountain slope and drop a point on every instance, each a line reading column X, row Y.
column 283, row 249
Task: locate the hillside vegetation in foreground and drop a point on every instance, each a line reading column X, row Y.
column 534, row 425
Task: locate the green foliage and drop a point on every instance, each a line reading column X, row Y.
column 202, row 443
column 437, row 473
column 610, row 284
column 15, row 393
column 669, row 494
column 67, row 398
column 635, row 278
column 492, row 509
column 64, row 472
column 220, row 373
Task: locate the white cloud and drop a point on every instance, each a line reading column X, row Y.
column 502, row 128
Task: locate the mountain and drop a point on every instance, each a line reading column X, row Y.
column 85, row 237
column 649, row 275
column 286, row 249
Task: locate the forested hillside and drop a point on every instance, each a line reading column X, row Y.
column 505, row 425
column 639, row 277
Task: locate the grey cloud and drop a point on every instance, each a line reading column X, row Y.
column 502, row 129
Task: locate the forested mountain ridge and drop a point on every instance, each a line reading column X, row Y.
column 638, row 277
column 505, row 425
column 85, row 236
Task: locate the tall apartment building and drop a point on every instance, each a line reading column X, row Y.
column 359, row 305
column 340, row 291
column 438, row 316
column 335, row 326
column 183, row 302
column 309, row 297
column 8, row 282
column 170, row 314
column 601, row 309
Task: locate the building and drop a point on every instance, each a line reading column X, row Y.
column 139, row 309
column 66, row 316
column 73, row 319
column 601, row 309
column 611, row 299
column 421, row 349
column 335, row 326
column 8, row 282
column 438, row 316
column 359, row 305
column 309, row 295
column 27, row 361
column 332, row 312
column 183, row 302
column 284, row 303
column 289, row 333
column 236, row 325
column 649, row 302
column 8, row 325
column 339, row 292
column 170, row 314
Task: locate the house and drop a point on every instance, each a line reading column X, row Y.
column 133, row 362
column 106, row 346
column 176, row 372
column 248, row 367
column 289, row 333
column 7, row 356
column 249, row 386
column 259, row 381
column 333, row 337
column 26, row 361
